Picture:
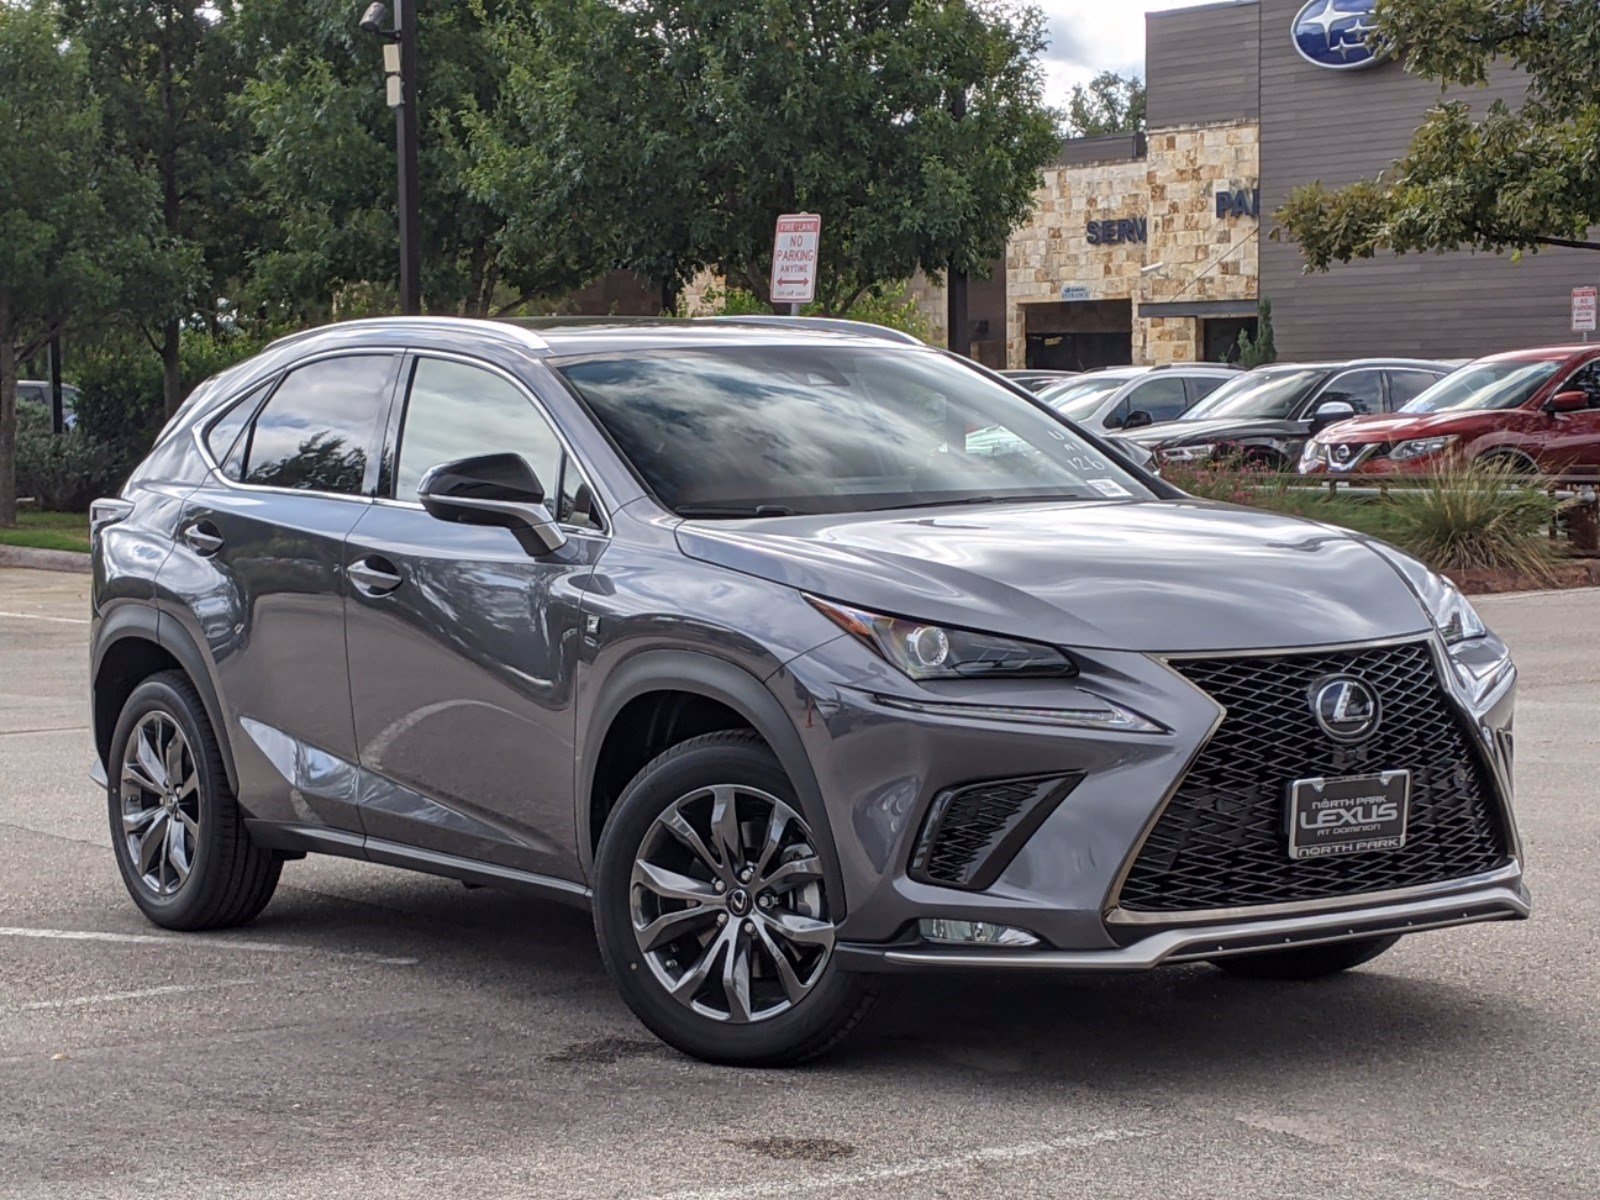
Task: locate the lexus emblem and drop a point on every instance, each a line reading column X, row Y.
column 1345, row 707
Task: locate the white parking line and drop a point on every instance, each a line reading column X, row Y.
column 16, row 616
column 1330, row 1135
column 988, row 1155
column 200, row 943
column 174, row 989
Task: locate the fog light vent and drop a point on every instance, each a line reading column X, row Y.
column 972, row 833
column 975, row 933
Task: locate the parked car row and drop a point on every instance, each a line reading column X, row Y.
column 1265, row 416
column 1529, row 410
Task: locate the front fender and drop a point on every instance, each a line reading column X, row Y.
column 729, row 684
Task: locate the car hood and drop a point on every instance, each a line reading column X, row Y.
column 1404, row 427
column 1132, row 575
column 1182, row 433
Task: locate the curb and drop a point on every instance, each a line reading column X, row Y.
column 46, row 560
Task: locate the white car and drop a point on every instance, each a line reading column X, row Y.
column 1134, row 397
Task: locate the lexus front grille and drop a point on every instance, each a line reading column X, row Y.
column 1222, row 840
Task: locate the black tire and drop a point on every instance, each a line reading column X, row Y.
column 838, row 1000
column 1305, row 962
column 1513, row 461
column 230, row 879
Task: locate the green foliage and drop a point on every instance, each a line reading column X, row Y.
column 77, row 225
column 121, row 398
column 681, row 128
column 49, row 531
column 892, row 306
column 1479, row 518
column 1261, row 350
column 1511, row 179
column 1108, row 104
column 62, row 472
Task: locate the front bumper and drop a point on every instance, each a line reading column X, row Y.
column 879, row 771
column 1497, row 897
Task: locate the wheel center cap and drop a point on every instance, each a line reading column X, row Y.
column 738, row 902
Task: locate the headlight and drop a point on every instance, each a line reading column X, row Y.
column 1313, row 451
column 927, row 651
column 1421, row 447
column 1481, row 662
column 1198, row 452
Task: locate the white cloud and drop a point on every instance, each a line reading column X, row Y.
column 1090, row 36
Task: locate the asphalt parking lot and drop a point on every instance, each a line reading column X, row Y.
column 382, row 1034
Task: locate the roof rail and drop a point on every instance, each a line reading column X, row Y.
column 823, row 324
column 1173, row 366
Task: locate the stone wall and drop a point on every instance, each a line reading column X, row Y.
column 1202, row 257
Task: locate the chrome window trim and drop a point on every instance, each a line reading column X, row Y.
column 197, row 430
column 404, row 399
column 1113, row 913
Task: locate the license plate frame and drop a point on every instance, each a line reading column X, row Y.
column 1336, row 815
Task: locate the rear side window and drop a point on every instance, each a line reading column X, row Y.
column 1201, row 386
column 315, row 432
column 1406, row 386
column 1362, row 390
column 225, row 430
column 1163, row 398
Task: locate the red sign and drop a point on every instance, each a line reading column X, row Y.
column 794, row 258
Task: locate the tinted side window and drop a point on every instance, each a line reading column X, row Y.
column 313, row 435
column 1585, row 379
column 1163, row 398
column 458, row 411
column 1201, row 386
column 1362, row 390
column 225, row 430
column 1405, row 386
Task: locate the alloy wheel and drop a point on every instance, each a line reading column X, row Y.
column 160, row 793
column 728, row 906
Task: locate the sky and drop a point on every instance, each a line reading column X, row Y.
column 1090, row 36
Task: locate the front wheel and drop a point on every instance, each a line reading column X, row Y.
column 1305, row 962
column 713, row 913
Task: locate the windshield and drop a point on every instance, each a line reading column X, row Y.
column 1078, row 401
column 780, row 430
column 1257, row 394
column 1485, row 385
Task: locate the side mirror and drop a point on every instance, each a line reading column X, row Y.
column 1138, row 419
column 1331, row 412
column 1566, row 402
column 493, row 489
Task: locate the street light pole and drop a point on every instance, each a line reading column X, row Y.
column 400, row 84
column 407, row 128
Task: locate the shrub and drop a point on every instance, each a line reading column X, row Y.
column 892, row 306
column 1478, row 519
column 63, row 472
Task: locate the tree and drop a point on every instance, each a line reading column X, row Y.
column 1261, row 350
column 167, row 74
column 74, row 223
column 325, row 161
column 1109, row 104
column 682, row 128
column 1514, row 178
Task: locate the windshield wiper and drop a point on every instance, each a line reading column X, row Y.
column 734, row 511
column 979, row 500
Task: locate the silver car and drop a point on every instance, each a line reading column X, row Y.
column 1135, row 397
column 723, row 633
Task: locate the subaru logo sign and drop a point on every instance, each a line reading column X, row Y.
column 1333, row 34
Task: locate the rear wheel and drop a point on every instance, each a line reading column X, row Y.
column 1305, row 962
column 176, row 829
column 713, row 912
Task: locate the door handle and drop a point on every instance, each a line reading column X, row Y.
column 374, row 576
column 204, row 538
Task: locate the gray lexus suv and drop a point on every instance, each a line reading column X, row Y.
column 718, row 629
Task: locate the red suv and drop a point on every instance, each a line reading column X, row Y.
column 1532, row 410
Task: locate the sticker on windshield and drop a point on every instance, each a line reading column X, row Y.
column 1109, row 487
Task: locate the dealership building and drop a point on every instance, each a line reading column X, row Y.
column 1154, row 248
